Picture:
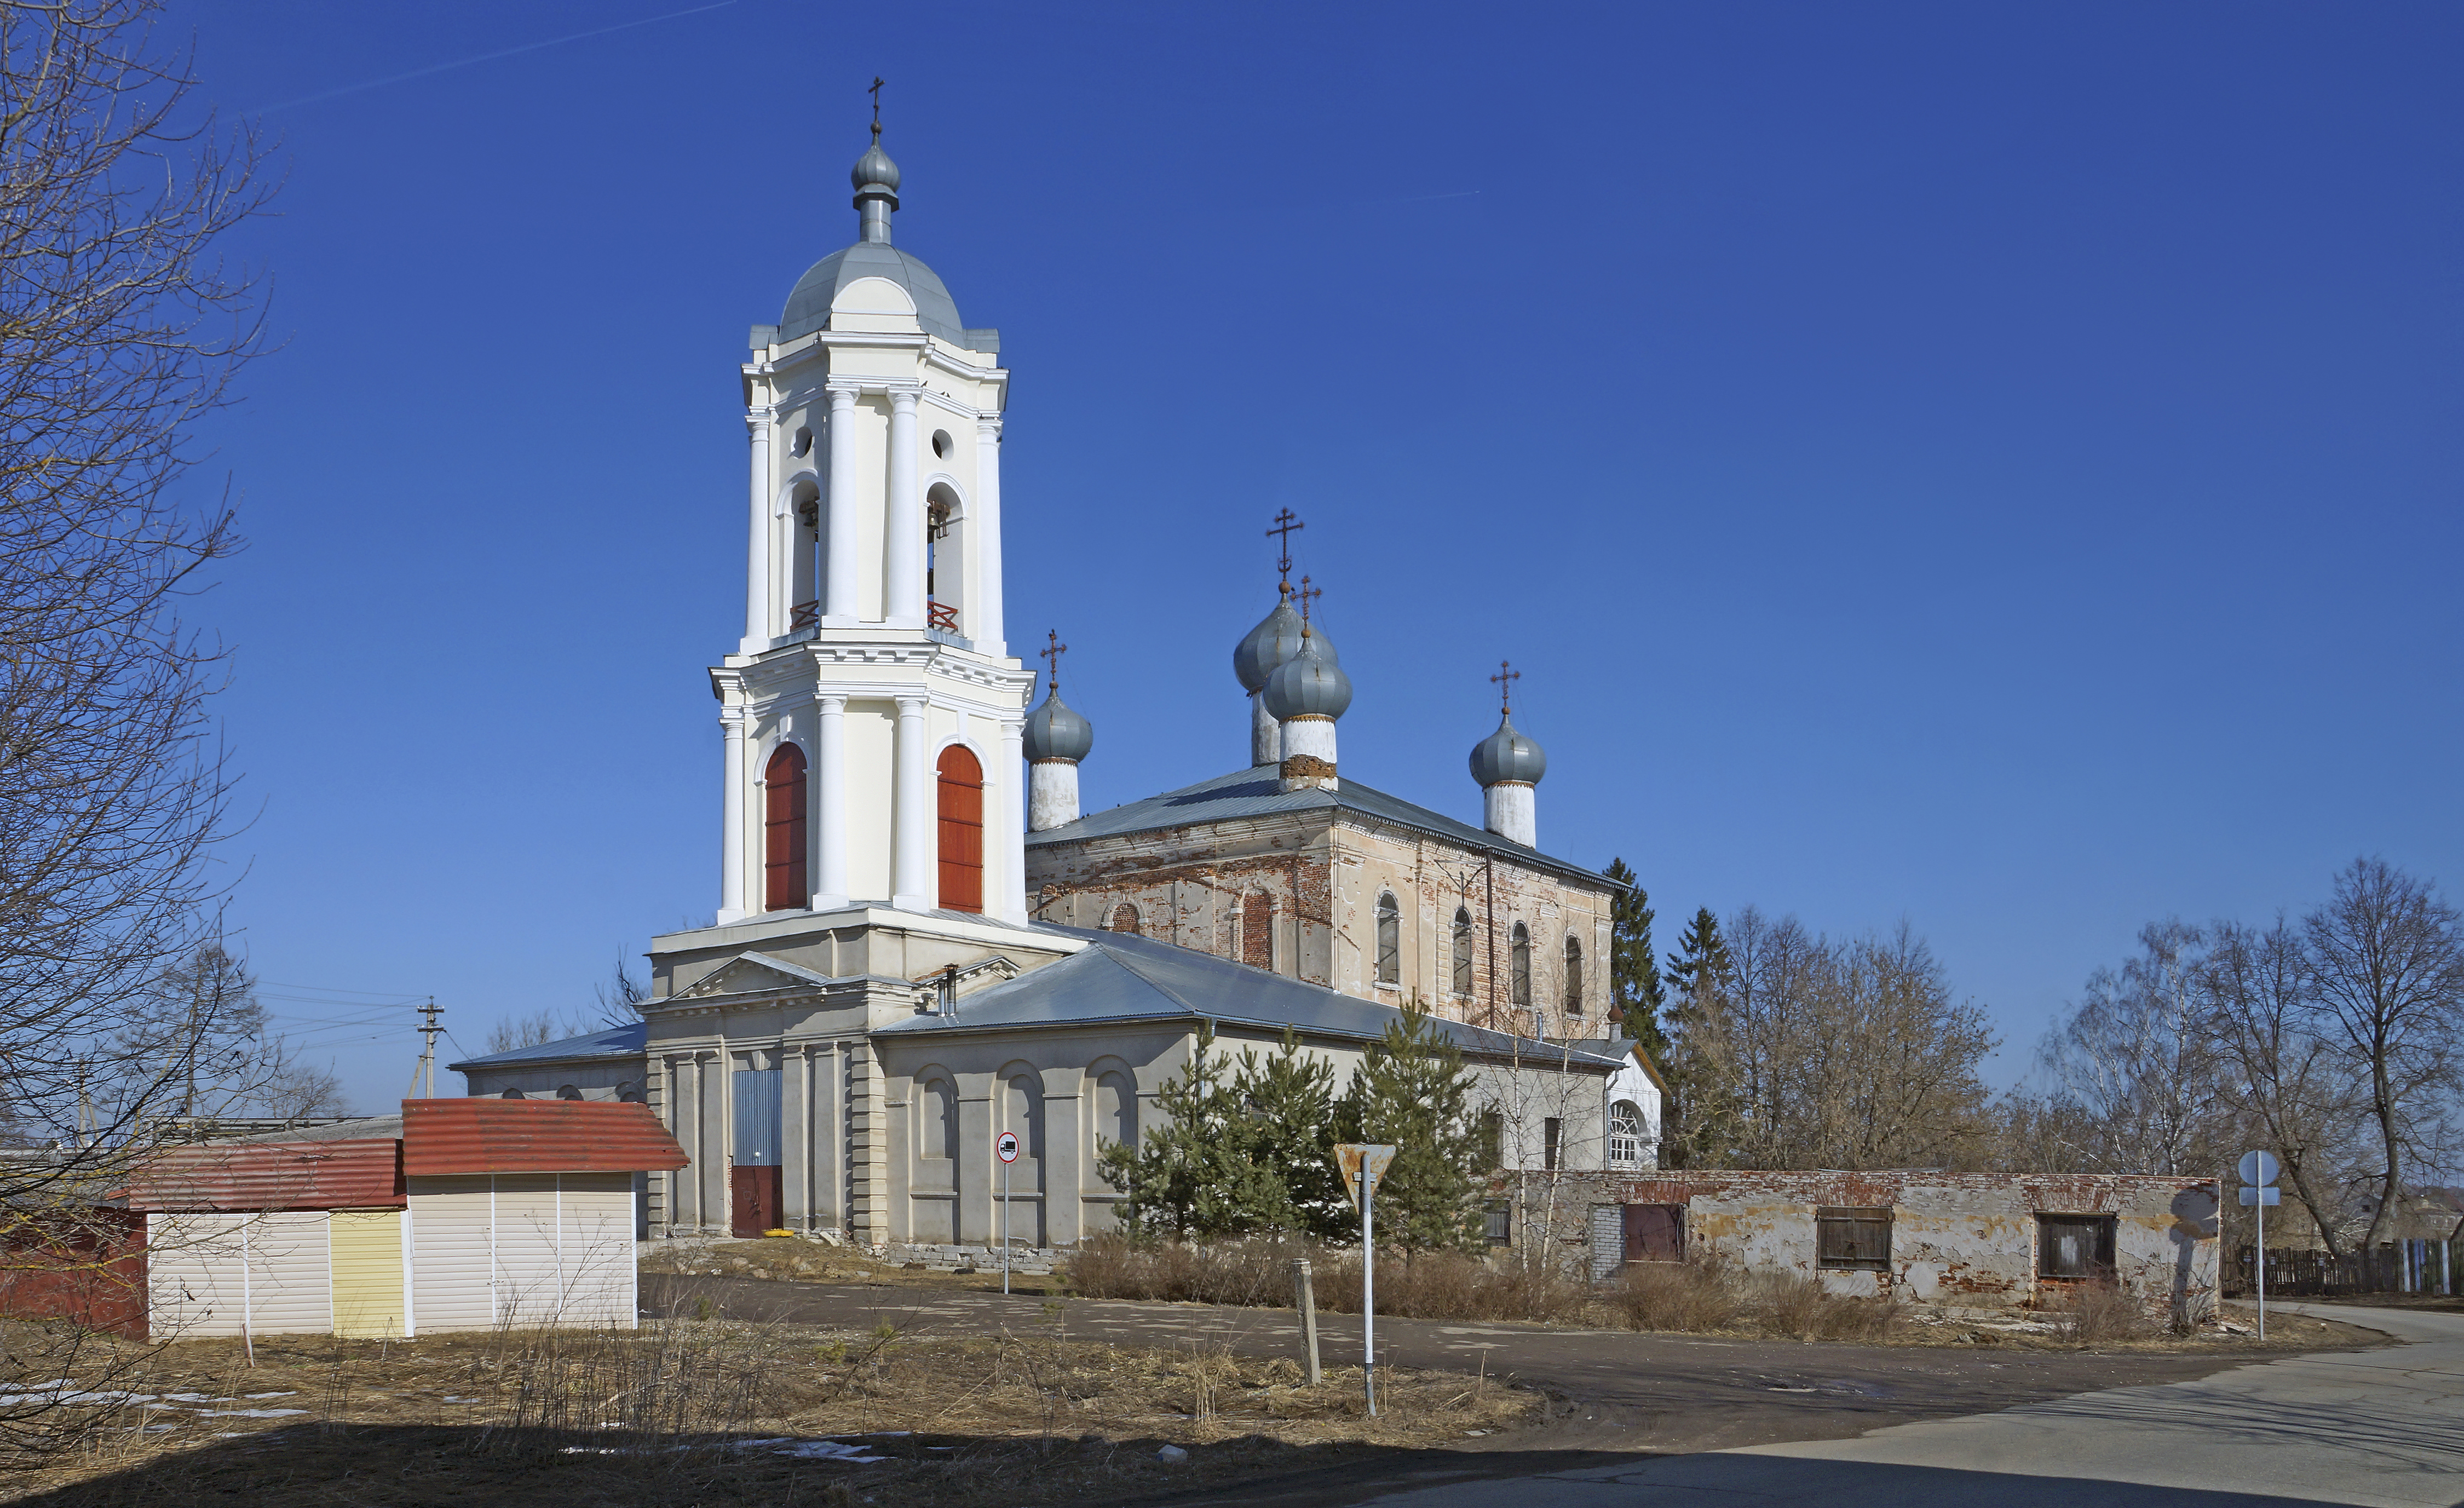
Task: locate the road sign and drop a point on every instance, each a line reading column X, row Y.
column 2258, row 1171
column 1006, row 1145
column 1359, row 1164
column 2254, row 1195
column 2257, row 1168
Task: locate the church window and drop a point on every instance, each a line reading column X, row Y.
column 1125, row 919
column 1389, row 941
column 942, row 443
column 940, row 1129
column 1463, row 953
column 1573, row 976
column 803, row 440
column 962, row 830
column 782, row 832
column 1626, row 1134
column 944, row 576
column 1258, row 931
column 1116, row 1110
column 1519, row 959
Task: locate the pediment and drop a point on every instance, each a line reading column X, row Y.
column 750, row 973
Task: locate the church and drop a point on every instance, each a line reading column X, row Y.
column 921, row 943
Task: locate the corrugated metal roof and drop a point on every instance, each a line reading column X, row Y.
column 1122, row 977
column 1256, row 792
column 534, row 1136
column 308, row 1173
column 614, row 1041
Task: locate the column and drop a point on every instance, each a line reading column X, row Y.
column 987, row 621
column 829, row 806
column 911, row 839
column 903, row 547
column 1008, row 840
column 730, row 843
column 756, row 572
column 839, row 600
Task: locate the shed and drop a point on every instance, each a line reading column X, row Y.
column 455, row 1215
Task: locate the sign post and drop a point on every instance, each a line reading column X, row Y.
column 2258, row 1171
column 1005, row 1147
column 1362, row 1167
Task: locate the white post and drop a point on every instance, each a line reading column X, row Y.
column 987, row 621
column 830, row 808
column 839, row 600
column 1004, row 1222
column 757, row 571
column 1368, row 1289
column 730, row 847
column 2261, row 1209
column 1009, row 839
column 912, row 842
column 902, row 553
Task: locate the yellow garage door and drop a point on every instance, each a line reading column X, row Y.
column 368, row 1297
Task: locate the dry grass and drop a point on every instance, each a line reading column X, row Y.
column 1429, row 1285
column 2100, row 1314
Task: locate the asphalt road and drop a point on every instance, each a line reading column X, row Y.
column 2373, row 1426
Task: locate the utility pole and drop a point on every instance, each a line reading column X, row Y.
column 428, row 1053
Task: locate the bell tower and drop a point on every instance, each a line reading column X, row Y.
column 871, row 713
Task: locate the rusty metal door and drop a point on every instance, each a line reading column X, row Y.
column 753, row 1200
column 1655, row 1233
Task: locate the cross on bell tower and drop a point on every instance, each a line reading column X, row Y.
column 1286, row 522
column 1051, row 658
column 1504, row 680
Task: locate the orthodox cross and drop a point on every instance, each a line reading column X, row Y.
column 875, row 92
column 1284, row 523
column 1306, row 592
column 1504, row 680
column 1052, row 660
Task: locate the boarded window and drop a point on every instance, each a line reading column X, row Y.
column 1389, row 941
column 2074, row 1245
column 1519, row 959
column 782, row 832
column 1655, row 1233
column 1258, row 931
column 1463, row 953
column 1492, row 1139
column 1499, row 1221
column 1853, row 1237
column 1573, row 977
column 962, row 830
column 1553, row 1132
column 1125, row 919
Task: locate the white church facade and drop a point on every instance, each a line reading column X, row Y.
column 921, row 942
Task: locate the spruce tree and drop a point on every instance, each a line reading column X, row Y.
column 1413, row 1093
column 1697, row 980
column 1287, row 1131
column 1636, row 994
column 1189, row 1178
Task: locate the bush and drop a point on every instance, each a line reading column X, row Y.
column 1695, row 1294
column 1427, row 1286
column 2096, row 1313
column 1801, row 1307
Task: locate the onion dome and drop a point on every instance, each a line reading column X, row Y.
column 1507, row 755
column 1310, row 683
column 876, row 170
column 1276, row 639
column 1054, row 731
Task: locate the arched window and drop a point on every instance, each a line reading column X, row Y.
column 1573, row 976
column 944, row 564
column 568, row 1092
column 1463, row 954
column 938, row 1135
column 1021, row 1104
column 1125, row 919
column 1626, row 1134
column 1116, row 1110
column 513, row 1094
column 1258, row 930
column 962, row 831
column 1519, row 961
column 783, row 833
column 1389, row 941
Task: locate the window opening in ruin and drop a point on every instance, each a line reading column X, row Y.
column 1573, row 977
column 2074, row 1245
column 1519, row 956
column 1499, row 1222
column 1553, row 1132
column 1258, row 931
column 1125, row 919
column 1853, row 1237
column 1389, row 941
column 1492, row 1139
column 1463, row 954
column 1655, row 1233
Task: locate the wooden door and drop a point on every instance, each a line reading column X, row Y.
column 1655, row 1233
column 753, row 1200
column 962, row 831
column 783, row 833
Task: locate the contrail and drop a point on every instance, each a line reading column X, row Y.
column 487, row 57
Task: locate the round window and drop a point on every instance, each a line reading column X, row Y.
column 942, row 443
column 804, row 442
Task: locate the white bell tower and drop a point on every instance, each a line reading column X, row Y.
column 872, row 714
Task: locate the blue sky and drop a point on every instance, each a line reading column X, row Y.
column 1990, row 466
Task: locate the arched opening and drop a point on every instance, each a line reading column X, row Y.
column 1390, row 940
column 1573, row 977
column 1258, row 930
column 1463, row 954
column 805, row 570
column 962, row 830
column 1626, row 1134
column 1125, row 919
column 513, row 1094
column 1519, row 964
column 945, row 565
column 783, row 833
column 567, row 1092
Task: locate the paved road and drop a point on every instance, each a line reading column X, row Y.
column 2374, row 1426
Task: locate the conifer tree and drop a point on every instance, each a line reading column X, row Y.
column 1698, row 979
column 1635, row 992
column 1413, row 1093
column 1287, row 1133
column 1191, row 1177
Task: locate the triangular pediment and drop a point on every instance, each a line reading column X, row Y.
column 750, row 973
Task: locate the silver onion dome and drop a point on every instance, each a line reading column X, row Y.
column 1056, row 732
column 1507, row 754
column 875, row 167
column 1309, row 683
column 1276, row 639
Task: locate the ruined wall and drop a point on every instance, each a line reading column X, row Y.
column 1956, row 1238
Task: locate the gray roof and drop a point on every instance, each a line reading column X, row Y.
column 628, row 1040
column 1256, row 791
column 1122, row 978
column 368, row 1126
column 808, row 307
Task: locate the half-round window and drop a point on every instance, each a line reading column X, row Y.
column 1389, row 941
column 1125, row 919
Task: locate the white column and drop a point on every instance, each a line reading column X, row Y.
column 903, row 546
column 839, row 602
column 829, row 806
column 731, row 845
column 912, row 838
column 1009, row 839
column 987, row 620
column 757, row 571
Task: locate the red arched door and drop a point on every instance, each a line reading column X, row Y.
column 783, row 833
column 962, row 831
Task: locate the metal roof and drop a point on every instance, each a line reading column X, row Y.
column 307, row 1172
column 534, row 1136
column 1256, row 791
column 808, row 306
column 628, row 1040
column 1122, row 978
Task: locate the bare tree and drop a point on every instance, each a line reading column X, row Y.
column 2136, row 1059
column 204, row 1032
column 2386, row 955
column 120, row 328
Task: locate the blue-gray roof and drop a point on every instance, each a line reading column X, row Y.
column 808, row 307
column 1257, row 791
column 1121, row 977
column 629, row 1041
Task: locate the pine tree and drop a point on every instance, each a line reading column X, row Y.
column 1697, row 980
column 1413, row 1093
column 1190, row 1177
column 1287, row 1131
column 1637, row 995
